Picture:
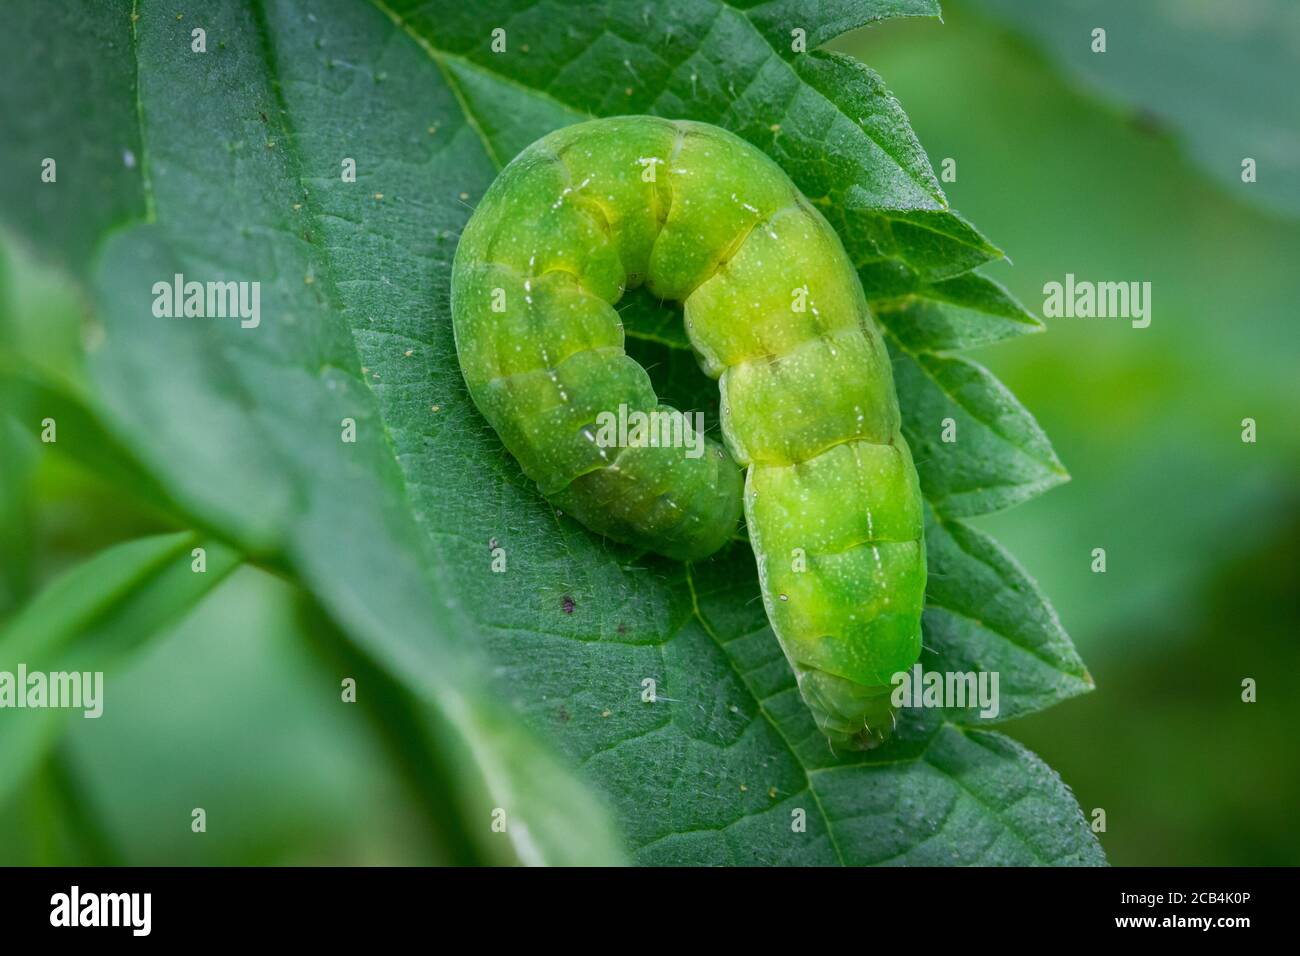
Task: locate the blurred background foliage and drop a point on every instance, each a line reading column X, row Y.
column 1115, row 167
column 1094, row 164
column 237, row 701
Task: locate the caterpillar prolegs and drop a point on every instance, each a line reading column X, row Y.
column 775, row 312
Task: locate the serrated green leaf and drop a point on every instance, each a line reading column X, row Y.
column 878, row 191
column 933, row 795
column 826, row 118
column 964, row 312
column 971, row 799
column 776, row 18
column 242, row 425
column 983, row 614
column 894, row 173
column 998, row 456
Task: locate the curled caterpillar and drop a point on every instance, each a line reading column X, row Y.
column 775, row 312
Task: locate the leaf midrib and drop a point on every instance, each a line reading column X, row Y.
column 330, row 288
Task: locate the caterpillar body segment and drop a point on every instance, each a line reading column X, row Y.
column 775, row 312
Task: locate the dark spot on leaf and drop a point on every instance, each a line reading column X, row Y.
column 563, row 713
column 1149, row 123
column 622, row 628
column 567, row 604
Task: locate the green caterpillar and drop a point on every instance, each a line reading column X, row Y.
column 775, row 312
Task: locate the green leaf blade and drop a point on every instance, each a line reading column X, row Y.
column 998, row 456
column 261, row 452
column 965, row 312
column 393, row 534
column 985, row 615
column 973, row 799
